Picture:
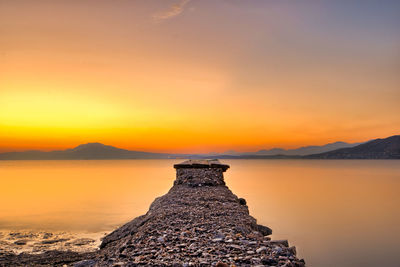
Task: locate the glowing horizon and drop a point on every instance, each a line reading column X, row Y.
column 186, row 77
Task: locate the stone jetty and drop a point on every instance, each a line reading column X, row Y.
column 199, row 222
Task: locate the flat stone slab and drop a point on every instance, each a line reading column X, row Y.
column 201, row 163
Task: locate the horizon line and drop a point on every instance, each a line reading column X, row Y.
column 191, row 153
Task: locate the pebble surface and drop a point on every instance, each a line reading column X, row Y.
column 199, row 222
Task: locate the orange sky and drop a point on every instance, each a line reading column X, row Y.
column 196, row 76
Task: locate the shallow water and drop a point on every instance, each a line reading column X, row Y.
column 336, row 212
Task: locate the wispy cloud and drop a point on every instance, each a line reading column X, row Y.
column 173, row 11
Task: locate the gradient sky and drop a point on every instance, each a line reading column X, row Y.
column 197, row 76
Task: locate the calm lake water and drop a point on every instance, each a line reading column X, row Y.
column 336, row 212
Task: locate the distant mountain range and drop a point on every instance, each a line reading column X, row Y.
column 388, row 148
column 301, row 151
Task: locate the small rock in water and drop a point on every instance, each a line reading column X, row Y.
column 47, row 235
column 242, row 201
column 264, row 230
column 20, row 242
column 292, row 250
column 52, row 241
column 284, row 243
column 85, row 263
column 82, row 241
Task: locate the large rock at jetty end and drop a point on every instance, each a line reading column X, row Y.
column 200, row 172
column 199, row 222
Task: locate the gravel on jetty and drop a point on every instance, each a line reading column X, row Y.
column 199, row 222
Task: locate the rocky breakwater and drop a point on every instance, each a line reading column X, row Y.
column 199, row 222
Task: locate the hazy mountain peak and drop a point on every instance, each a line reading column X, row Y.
column 95, row 144
column 94, row 147
column 337, row 143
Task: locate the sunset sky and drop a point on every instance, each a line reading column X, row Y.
column 199, row 75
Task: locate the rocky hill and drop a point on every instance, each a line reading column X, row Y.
column 388, row 148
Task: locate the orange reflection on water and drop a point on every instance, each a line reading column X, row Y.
column 79, row 195
column 336, row 212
